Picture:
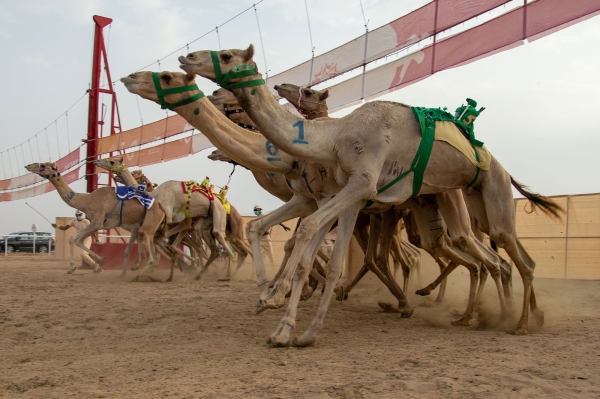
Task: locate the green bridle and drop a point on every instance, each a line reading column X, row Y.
column 161, row 93
column 240, row 71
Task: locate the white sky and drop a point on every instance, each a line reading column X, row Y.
column 541, row 99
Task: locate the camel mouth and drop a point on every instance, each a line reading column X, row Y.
column 188, row 67
column 280, row 89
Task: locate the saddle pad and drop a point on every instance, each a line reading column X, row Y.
column 129, row 192
column 448, row 132
column 192, row 186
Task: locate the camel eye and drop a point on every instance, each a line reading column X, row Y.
column 190, row 55
column 215, row 92
column 226, row 57
column 166, row 78
column 307, row 93
column 132, row 75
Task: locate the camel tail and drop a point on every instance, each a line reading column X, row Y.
column 548, row 206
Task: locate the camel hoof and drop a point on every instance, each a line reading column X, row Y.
column 71, row 270
column 278, row 341
column 134, row 268
column 223, row 279
column 101, row 262
column 303, row 341
column 340, row 293
column 264, row 304
column 423, row 292
column 463, row 321
column 406, row 312
column 388, row 307
column 520, row 331
column 538, row 315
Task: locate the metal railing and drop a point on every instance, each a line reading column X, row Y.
column 7, row 236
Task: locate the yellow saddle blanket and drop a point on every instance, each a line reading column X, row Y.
column 448, row 132
column 226, row 205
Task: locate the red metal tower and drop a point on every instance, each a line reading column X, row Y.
column 95, row 119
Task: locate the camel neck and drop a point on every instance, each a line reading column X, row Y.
column 71, row 198
column 128, row 178
column 301, row 138
column 243, row 146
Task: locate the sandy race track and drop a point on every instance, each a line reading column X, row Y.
column 98, row 336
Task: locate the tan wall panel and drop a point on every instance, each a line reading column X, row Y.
column 584, row 216
column 583, row 260
column 537, row 224
column 548, row 254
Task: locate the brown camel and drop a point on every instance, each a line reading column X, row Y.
column 202, row 215
column 362, row 148
column 102, row 208
column 116, row 166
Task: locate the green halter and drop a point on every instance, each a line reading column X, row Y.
column 240, row 71
column 161, row 93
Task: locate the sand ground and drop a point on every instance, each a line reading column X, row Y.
column 98, row 336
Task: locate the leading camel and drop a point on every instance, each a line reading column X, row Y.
column 362, row 148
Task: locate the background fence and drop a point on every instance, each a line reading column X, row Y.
column 561, row 249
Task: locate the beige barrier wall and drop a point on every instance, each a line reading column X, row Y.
column 561, row 249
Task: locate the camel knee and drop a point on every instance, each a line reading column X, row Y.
column 460, row 242
column 500, row 238
column 308, row 228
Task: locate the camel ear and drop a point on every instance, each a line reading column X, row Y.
column 189, row 78
column 249, row 53
column 324, row 94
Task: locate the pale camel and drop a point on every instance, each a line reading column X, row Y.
column 207, row 214
column 363, row 149
column 102, row 208
column 312, row 104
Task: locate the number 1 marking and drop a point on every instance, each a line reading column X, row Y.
column 300, row 139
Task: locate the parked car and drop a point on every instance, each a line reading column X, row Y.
column 22, row 241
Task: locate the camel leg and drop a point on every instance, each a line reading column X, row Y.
column 78, row 238
column 281, row 336
column 400, row 262
column 434, row 240
column 152, row 220
column 214, row 252
column 361, row 234
column 296, row 207
column 132, row 240
column 388, row 231
column 346, row 223
column 358, row 187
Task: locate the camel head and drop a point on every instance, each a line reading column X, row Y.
column 44, row 169
column 218, row 155
column 219, row 66
column 222, row 96
column 307, row 101
column 155, row 86
column 112, row 164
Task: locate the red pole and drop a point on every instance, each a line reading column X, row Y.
column 94, row 93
